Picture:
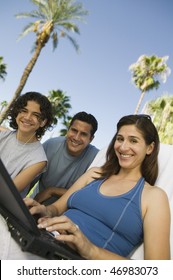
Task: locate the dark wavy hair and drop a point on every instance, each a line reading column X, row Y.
column 88, row 118
column 149, row 167
column 45, row 109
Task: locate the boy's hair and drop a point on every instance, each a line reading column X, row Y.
column 45, row 109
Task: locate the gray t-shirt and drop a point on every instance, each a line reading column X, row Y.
column 17, row 156
column 63, row 169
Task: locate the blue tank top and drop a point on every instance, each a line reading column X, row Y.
column 111, row 222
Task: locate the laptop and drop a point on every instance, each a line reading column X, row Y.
column 23, row 226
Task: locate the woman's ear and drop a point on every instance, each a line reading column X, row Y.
column 150, row 148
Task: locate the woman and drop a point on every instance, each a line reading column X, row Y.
column 20, row 149
column 111, row 210
column 116, row 207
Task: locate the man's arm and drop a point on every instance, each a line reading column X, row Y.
column 48, row 193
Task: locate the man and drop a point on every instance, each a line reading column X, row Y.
column 68, row 158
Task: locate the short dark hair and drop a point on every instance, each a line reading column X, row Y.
column 149, row 167
column 88, row 118
column 21, row 102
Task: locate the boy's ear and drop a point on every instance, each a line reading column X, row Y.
column 43, row 123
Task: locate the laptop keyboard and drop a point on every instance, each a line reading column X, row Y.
column 48, row 236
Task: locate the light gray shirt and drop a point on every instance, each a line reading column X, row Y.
column 63, row 169
column 17, row 156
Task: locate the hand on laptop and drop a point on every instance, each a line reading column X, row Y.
column 69, row 233
column 35, row 207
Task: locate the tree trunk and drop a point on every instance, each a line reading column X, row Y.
column 139, row 102
column 23, row 80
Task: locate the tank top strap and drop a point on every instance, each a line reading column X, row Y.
column 137, row 188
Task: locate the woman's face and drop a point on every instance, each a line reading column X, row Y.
column 130, row 147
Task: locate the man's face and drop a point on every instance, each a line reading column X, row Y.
column 78, row 137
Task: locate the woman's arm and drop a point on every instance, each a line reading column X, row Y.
column 60, row 206
column 26, row 176
column 82, row 181
column 157, row 226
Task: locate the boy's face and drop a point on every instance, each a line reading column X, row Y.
column 29, row 118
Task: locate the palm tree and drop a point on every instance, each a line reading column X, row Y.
column 146, row 73
column 3, row 105
column 3, row 73
column 60, row 103
column 161, row 111
column 3, row 68
column 53, row 19
column 66, row 124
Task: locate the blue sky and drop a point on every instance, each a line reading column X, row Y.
column 97, row 79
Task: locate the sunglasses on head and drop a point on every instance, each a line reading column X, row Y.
column 144, row 116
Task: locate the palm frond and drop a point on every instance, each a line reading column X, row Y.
column 27, row 29
column 55, row 40
column 69, row 27
column 74, row 42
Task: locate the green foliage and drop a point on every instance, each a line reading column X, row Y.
column 65, row 123
column 161, row 111
column 3, row 73
column 147, row 73
column 3, row 104
column 54, row 19
column 60, row 103
column 3, row 68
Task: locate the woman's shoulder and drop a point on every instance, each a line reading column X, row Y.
column 155, row 193
column 154, row 199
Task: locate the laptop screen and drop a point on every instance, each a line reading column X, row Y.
column 11, row 200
